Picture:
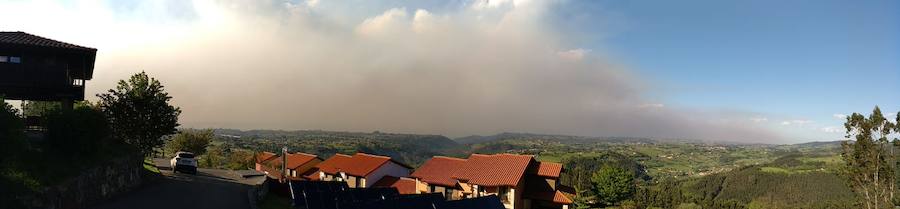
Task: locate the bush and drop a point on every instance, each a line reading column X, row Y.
column 194, row 141
column 80, row 132
column 11, row 130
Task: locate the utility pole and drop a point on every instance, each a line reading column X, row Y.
column 284, row 173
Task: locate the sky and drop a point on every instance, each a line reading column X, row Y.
column 753, row 72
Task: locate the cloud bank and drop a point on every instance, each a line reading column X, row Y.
column 471, row 67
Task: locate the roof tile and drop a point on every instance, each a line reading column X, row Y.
column 360, row 164
column 548, row 169
column 22, row 38
column 403, row 185
column 439, row 170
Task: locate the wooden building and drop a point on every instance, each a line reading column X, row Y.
column 35, row 68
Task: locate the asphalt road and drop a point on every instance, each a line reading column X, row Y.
column 209, row 189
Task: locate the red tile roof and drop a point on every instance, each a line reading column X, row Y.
column 403, row 185
column 559, row 197
column 537, row 187
column 494, row 170
column 264, row 156
column 547, row 169
column 312, row 174
column 439, row 170
column 360, row 164
column 298, row 159
column 22, row 38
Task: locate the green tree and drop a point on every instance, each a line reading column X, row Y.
column 194, row 141
column 613, row 184
column 139, row 112
column 11, row 130
column 82, row 131
column 39, row 108
column 870, row 161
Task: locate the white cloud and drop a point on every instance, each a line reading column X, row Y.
column 423, row 21
column 651, row 105
column 391, row 20
column 489, row 4
column 796, row 122
column 312, row 3
column 832, row 129
column 457, row 72
column 759, row 119
column 839, row 116
column 573, row 54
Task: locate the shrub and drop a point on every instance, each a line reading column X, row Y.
column 194, row 141
column 11, row 130
column 82, row 131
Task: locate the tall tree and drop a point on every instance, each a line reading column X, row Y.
column 613, row 184
column 194, row 141
column 139, row 112
column 870, row 160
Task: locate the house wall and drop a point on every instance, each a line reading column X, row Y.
column 42, row 74
column 516, row 192
column 389, row 168
column 351, row 181
column 305, row 167
column 513, row 195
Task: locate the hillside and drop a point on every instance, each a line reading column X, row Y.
column 792, row 181
column 413, row 149
column 475, row 139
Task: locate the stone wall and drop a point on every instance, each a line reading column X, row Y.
column 92, row 186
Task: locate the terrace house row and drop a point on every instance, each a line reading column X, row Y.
column 360, row 170
column 520, row 181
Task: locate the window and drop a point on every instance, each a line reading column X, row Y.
column 448, row 193
column 15, row 59
column 504, row 194
column 4, row 59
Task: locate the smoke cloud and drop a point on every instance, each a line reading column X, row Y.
column 474, row 67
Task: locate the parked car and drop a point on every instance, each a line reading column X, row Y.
column 184, row 162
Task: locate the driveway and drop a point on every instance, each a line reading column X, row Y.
column 209, row 189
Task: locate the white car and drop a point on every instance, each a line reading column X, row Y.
column 184, row 162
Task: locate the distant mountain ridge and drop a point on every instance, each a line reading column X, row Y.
column 475, row 139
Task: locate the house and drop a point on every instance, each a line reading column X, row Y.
column 40, row 69
column 298, row 164
column 403, row 185
column 262, row 158
column 360, row 170
column 337, row 195
column 520, row 181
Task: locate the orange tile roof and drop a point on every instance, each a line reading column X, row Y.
column 554, row 196
column 547, row 169
column 403, row 185
column 264, row 156
column 312, row 174
column 439, row 170
column 559, row 197
column 299, row 159
column 360, row 164
column 494, row 170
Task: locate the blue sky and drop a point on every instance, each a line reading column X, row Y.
column 801, row 59
column 749, row 71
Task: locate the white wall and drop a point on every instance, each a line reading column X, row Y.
column 388, row 169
